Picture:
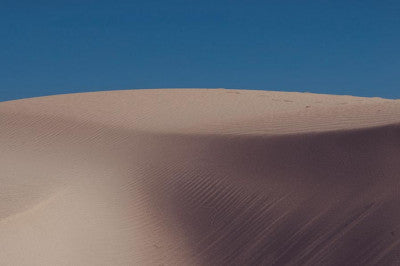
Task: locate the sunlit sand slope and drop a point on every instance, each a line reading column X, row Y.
column 200, row 177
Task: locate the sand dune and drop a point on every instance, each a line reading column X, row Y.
column 200, row 177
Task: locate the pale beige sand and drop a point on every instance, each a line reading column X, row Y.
column 200, row 177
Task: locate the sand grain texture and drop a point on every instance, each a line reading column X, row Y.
column 199, row 177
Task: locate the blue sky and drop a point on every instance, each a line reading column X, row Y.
column 336, row 47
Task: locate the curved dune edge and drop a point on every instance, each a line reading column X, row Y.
column 170, row 177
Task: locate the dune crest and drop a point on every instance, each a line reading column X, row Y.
column 200, row 177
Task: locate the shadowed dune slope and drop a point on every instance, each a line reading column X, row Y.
column 200, row 177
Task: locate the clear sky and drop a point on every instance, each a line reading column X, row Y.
column 337, row 47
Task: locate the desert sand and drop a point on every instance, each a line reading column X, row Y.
column 200, row 177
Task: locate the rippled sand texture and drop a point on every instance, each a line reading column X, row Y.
column 199, row 177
